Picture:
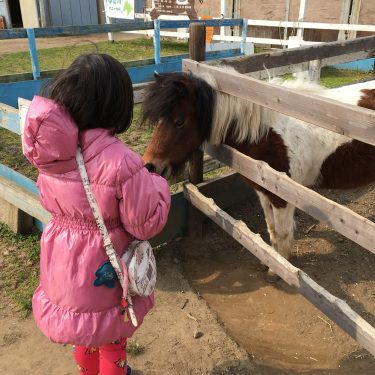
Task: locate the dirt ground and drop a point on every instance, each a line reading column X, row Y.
column 167, row 335
column 249, row 326
column 282, row 331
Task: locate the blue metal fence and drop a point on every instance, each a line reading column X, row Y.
column 9, row 92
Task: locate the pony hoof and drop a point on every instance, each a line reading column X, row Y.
column 272, row 277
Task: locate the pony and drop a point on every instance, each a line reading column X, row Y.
column 188, row 110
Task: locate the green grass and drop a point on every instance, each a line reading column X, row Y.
column 133, row 348
column 11, row 154
column 60, row 58
column 331, row 77
column 19, row 269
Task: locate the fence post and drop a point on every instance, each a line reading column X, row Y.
column 108, row 21
column 17, row 220
column 244, row 36
column 33, row 53
column 157, row 41
column 197, row 51
column 315, row 67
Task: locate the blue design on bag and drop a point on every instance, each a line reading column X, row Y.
column 105, row 275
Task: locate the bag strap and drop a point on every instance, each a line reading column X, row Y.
column 108, row 246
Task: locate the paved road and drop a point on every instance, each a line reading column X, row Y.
column 18, row 45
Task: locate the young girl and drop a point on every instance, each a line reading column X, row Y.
column 87, row 105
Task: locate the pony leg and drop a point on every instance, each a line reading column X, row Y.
column 268, row 209
column 268, row 215
column 284, row 226
column 284, row 229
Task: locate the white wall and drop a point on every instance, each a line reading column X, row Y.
column 29, row 11
column 4, row 11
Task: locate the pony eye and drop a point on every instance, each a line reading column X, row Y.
column 179, row 123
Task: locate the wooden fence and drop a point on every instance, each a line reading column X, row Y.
column 355, row 122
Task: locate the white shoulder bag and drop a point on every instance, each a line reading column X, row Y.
column 136, row 269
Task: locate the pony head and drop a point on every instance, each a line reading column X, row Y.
column 180, row 108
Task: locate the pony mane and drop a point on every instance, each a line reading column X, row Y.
column 169, row 88
column 241, row 117
column 247, row 121
column 218, row 114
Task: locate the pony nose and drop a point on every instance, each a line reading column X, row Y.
column 150, row 167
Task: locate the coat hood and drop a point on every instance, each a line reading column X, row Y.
column 50, row 137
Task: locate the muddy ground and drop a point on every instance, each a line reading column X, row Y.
column 249, row 326
column 281, row 330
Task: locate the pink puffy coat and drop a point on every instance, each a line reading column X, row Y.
column 67, row 307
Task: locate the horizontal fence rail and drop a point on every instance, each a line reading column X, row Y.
column 304, row 66
column 57, row 31
column 336, row 309
column 268, row 60
column 311, row 25
column 345, row 119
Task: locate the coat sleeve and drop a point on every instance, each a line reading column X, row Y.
column 144, row 199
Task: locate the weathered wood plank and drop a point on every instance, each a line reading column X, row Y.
column 253, row 63
column 336, row 309
column 273, row 72
column 197, row 51
column 23, row 199
column 340, row 218
column 227, row 190
column 17, row 220
column 346, row 119
column 9, row 118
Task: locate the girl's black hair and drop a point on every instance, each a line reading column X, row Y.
column 96, row 90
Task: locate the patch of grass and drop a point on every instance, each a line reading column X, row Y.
column 133, row 348
column 62, row 57
column 11, row 154
column 331, row 77
column 19, row 270
column 137, row 137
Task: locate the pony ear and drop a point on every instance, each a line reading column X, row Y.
column 157, row 75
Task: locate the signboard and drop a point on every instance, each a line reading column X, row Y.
column 119, row 9
column 174, row 7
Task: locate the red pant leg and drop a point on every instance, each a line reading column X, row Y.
column 113, row 358
column 87, row 359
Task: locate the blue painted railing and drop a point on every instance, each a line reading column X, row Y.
column 157, row 25
column 10, row 91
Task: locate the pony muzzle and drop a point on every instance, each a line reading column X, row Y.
column 157, row 166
